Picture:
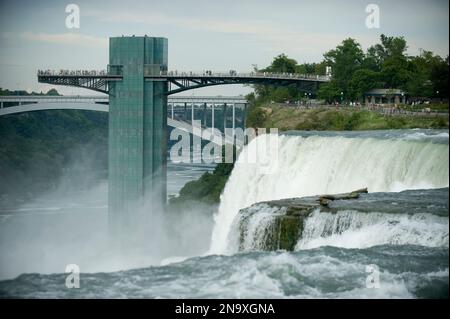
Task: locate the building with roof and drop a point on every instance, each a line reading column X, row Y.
column 385, row 96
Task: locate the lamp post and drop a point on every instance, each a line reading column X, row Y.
column 342, row 97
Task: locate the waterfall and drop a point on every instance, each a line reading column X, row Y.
column 351, row 229
column 318, row 164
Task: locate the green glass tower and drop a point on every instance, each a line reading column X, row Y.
column 137, row 128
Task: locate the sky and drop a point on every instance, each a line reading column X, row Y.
column 204, row 35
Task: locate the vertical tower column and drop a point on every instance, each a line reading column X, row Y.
column 234, row 117
column 244, row 117
column 192, row 115
column 204, row 114
column 137, row 129
column 212, row 116
column 224, row 116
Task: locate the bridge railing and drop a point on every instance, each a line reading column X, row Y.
column 72, row 72
column 206, row 74
column 9, row 100
column 231, row 74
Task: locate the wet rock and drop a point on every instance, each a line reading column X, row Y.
column 278, row 224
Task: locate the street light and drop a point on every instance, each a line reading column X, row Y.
column 342, row 97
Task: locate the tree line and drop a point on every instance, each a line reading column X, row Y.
column 354, row 72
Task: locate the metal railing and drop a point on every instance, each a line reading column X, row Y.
column 176, row 99
column 233, row 74
column 206, row 74
column 72, row 72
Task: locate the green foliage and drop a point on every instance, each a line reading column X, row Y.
column 37, row 148
column 330, row 91
column 430, row 75
column 256, row 116
column 345, row 60
column 311, row 68
column 4, row 92
column 362, row 81
column 207, row 188
column 281, row 64
column 52, row 92
column 384, row 65
column 348, row 119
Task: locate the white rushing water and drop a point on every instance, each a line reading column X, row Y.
column 305, row 166
column 351, row 229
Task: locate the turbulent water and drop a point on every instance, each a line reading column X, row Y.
column 318, row 163
column 404, row 235
column 411, row 217
column 326, row 272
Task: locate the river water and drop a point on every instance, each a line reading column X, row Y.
column 403, row 235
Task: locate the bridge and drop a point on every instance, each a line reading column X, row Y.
column 181, row 115
column 138, row 84
column 100, row 80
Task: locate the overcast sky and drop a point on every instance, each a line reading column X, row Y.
column 216, row 35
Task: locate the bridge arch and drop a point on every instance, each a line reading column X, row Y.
column 33, row 107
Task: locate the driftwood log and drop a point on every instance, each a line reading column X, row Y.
column 324, row 200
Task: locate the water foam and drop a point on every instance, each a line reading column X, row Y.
column 351, row 229
column 328, row 164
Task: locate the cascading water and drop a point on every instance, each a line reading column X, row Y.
column 254, row 230
column 315, row 164
column 352, row 229
column 405, row 234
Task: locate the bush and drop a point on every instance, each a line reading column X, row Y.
column 256, row 117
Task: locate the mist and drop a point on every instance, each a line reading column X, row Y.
column 69, row 225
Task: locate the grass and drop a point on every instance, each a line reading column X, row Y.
column 288, row 118
column 435, row 107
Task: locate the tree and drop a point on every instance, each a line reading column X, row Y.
column 439, row 77
column 389, row 58
column 282, row 64
column 52, row 92
column 362, row 81
column 311, row 68
column 345, row 60
column 330, row 92
column 395, row 73
column 388, row 48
